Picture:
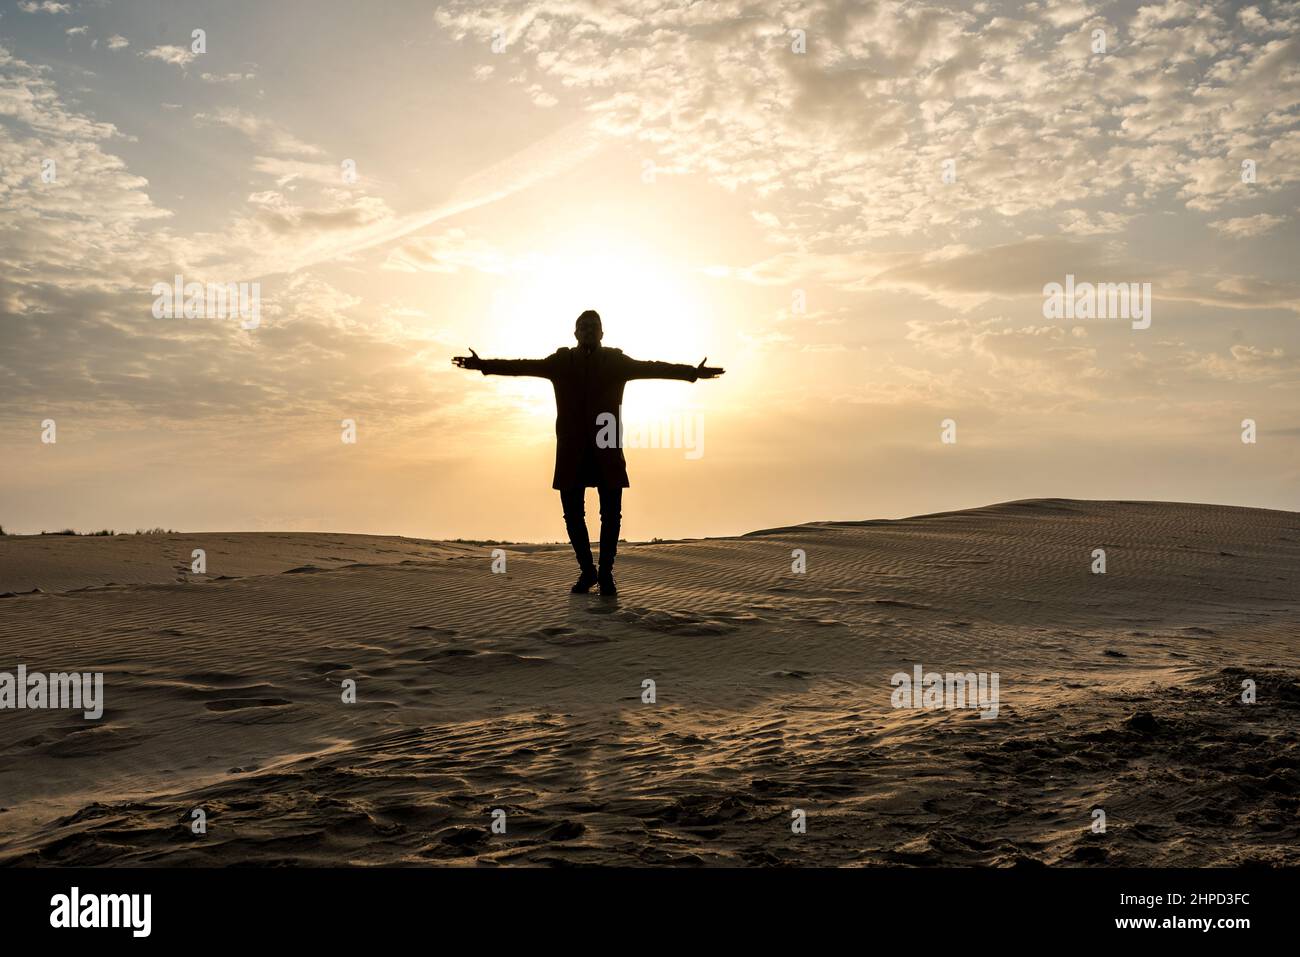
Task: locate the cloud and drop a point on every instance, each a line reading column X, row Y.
column 1006, row 346
column 1065, row 14
column 226, row 77
column 447, row 252
column 264, row 132
column 118, row 42
column 1248, row 226
column 176, row 56
column 81, row 227
column 965, row 277
column 344, row 211
column 1243, row 363
column 44, row 6
column 887, row 92
column 547, row 157
column 94, row 225
column 1080, row 223
column 287, row 170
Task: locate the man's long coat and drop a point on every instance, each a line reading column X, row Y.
column 588, row 383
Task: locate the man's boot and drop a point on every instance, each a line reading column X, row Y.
column 606, row 579
column 585, row 581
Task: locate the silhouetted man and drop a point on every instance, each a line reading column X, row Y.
column 588, row 383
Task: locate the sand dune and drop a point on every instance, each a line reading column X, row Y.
column 63, row 563
column 480, row 691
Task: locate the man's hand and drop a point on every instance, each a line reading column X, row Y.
column 707, row 372
column 471, row 361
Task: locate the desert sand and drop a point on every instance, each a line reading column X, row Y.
column 479, row 691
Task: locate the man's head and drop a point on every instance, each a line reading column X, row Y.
column 587, row 329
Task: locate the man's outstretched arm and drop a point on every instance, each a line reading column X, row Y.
column 644, row 369
column 535, row 367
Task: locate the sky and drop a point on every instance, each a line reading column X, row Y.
column 855, row 208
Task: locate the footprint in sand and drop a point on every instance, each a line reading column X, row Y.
column 240, row 704
column 562, row 635
column 467, row 661
column 434, row 630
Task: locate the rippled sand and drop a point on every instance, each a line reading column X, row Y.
column 479, row 691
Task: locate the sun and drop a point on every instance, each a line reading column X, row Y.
column 650, row 307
